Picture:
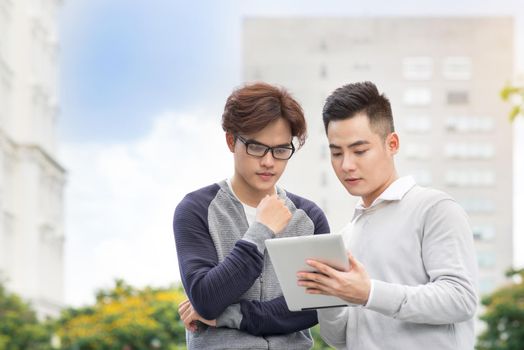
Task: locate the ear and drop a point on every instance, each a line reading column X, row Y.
column 230, row 140
column 393, row 143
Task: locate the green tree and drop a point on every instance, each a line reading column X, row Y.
column 19, row 326
column 504, row 316
column 509, row 93
column 125, row 318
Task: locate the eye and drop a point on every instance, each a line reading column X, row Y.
column 257, row 148
column 336, row 154
column 361, row 152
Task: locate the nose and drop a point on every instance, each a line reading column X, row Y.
column 267, row 161
column 348, row 163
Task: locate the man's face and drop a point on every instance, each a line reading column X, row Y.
column 362, row 160
column 258, row 175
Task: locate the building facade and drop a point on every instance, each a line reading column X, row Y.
column 31, row 178
column 443, row 77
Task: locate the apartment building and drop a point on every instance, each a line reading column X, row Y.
column 443, row 76
column 31, row 178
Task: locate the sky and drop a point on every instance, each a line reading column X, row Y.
column 142, row 88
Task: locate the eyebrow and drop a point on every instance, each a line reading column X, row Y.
column 263, row 144
column 354, row 144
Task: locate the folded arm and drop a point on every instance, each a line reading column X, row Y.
column 212, row 285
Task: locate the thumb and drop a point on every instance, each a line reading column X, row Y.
column 353, row 262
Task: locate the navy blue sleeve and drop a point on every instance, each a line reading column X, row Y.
column 274, row 317
column 313, row 211
column 211, row 286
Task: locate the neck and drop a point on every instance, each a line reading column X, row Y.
column 369, row 199
column 247, row 194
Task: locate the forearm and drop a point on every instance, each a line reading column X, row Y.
column 212, row 285
column 212, row 289
column 441, row 302
column 266, row 318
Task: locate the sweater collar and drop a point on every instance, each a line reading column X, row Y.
column 395, row 192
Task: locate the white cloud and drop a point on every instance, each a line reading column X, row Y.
column 121, row 197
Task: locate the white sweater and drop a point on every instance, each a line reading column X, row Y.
column 417, row 246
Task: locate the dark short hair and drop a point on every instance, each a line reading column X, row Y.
column 363, row 97
column 252, row 107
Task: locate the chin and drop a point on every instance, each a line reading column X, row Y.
column 354, row 192
column 263, row 186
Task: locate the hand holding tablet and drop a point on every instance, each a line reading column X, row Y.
column 288, row 256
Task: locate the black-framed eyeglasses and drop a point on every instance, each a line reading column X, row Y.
column 257, row 149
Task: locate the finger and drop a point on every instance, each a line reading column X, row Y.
column 183, row 303
column 320, row 267
column 189, row 319
column 193, row 327
column 353, row 262
column 307, row 276
column 182, row 309
column 313, row 280
column 186, row 316
column 315, row 291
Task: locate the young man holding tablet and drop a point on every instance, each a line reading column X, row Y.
column 413, row 266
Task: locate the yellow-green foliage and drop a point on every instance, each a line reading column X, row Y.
column 125, row 317
column 504, row 317
column 516, row 94
column 19, row 327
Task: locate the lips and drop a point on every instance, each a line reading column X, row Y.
column 352, row 180
column 266, row 175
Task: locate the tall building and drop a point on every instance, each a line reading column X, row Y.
column 443, row 77
column 31, row 178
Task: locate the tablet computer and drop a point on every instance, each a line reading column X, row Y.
column 288, row 256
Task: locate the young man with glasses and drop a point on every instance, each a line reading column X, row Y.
column 235, row 301
column 416, row 275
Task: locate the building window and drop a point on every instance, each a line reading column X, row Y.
column 486, row 285
column 361, row 67
column 486, row 259
column 422, row 177
column 417, row 124
column 477, row 205
column 417, row 68
column 323, row 179
column 457, row 97
column 8, row 174
column 5, row 22
column 323, row 45
column 470, row 178
column 4, row 98
column 257, row 75
column 417, row 97
column 323, row 71
column 323, row 152
column 457, row 68
column 483, row 233
column 6, row 241
column 417, row 151
column 468, row 124
column 469, row 151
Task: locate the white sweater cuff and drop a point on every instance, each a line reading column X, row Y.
column 386, row 298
